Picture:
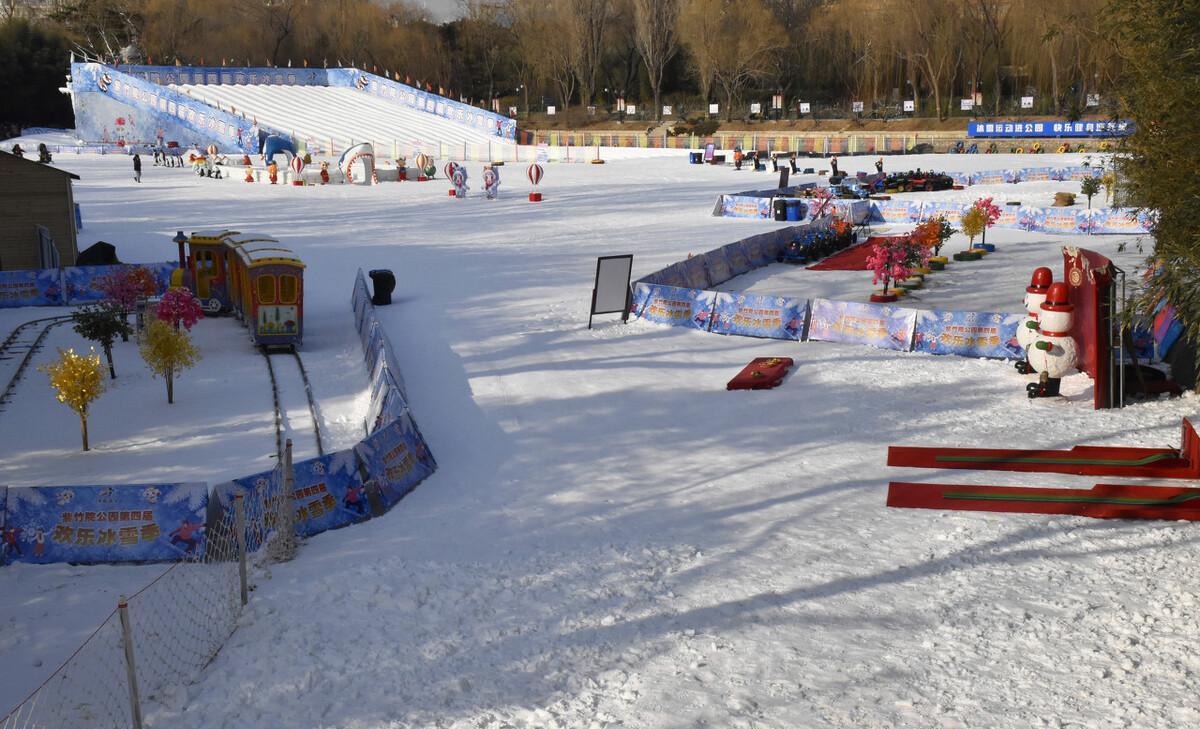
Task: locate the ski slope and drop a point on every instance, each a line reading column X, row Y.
column 321, row 114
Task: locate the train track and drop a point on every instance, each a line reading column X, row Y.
column 312, row 403
column 20, row 346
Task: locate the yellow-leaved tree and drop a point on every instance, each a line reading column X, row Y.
column 974, row 222
column 167, row 352
column 77, row 379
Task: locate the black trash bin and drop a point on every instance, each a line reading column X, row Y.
column 384, row 283
column 779, row 206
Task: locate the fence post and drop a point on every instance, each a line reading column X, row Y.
column 239, row 505
column 135, row 706
column 288, row 532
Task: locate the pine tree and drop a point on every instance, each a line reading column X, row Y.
column 78, row 380
column 1090, row 187
column 102, row 324
column 1159, row 42
column 167, row 352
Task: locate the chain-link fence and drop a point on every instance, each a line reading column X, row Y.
column 164, row 634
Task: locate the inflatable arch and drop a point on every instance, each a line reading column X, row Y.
column 358, row 164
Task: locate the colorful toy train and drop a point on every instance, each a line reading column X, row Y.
column 250, row 276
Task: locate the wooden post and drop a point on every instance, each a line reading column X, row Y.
column 239, row 505
column 135, row 706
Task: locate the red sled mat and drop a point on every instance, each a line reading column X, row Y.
column 1102, row 501
column 853, row 258
column 1080, row 460
column 762, row 373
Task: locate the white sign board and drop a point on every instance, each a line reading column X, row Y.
column 714, row 108
column 611, row 294
column 512, row 111
column 968, row 104
column 856, row 106
column 667, row 110
column 1026, row 102
column 805, row 107
column 756, row 108
column 910, row 105
column 630, row 110
column 550, row 110
column 543, row 153
column 1093, row 99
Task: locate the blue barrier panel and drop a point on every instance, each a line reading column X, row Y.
column 327, row 493
column 759, row 250
column 387, row 400
column 90, row 524
column 968, row 334
column 672, row 275
column 1062, row 220
column 395, row 459
column 739, row 263
column 3, row 531
column 30, row 288
column 888, row 327
column 717, row 263
column 1118, row 221
column 82, row 283
column 675, row 306
column 744, row 206
column 695, row 273
column 751, row 315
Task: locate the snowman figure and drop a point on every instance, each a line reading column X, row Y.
column 491, row 182
column 1054, row 352
column 459, row 178
column 1027, row 329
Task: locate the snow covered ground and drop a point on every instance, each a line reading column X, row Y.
column 612, row 539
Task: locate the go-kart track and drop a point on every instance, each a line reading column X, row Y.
column 319, row 114
column 612, row 538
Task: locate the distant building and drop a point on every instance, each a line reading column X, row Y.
column 39, row 206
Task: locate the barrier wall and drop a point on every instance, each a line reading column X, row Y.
column 1098, row 221
column 118, row 108
column 166, row 522
column 678, row 295
column 69, row 285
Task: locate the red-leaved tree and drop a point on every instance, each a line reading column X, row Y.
column 179, row 306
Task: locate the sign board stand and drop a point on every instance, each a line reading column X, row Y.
column 611, row 293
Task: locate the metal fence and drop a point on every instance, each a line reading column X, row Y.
column 164, row 634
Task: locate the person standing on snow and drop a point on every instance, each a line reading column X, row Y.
column 137, row 168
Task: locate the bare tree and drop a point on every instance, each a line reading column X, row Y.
column 588, row 19
column 654, row 23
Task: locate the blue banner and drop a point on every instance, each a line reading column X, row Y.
column 30, row 288
column 968, row 334
column 81, row 282
column 744, row 206
column 1118, row 221
column 89, row 524
column 677, row 307
column 1050, row 129
column 327, row 493
column 115, row 107
column 887, row 327
column 395, row 459
column 751, row 315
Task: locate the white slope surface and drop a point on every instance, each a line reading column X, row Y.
column 612, row 539
column 346, row 116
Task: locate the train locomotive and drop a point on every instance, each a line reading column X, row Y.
column 250, row 276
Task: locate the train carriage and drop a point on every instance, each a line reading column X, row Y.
column 250, row 276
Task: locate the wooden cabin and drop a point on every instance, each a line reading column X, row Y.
column 38, row 206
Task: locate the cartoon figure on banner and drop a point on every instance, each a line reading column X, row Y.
column 1054, row 353
column 1027, row 329
column 188, row 534
column 273, row 172
column 491, row 182
column 459, row 178
column 534, row 173
column 356, row 499
column 12, row 543
column 324, row 173
column 39, row 543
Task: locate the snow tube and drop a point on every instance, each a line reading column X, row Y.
column 1063, row 148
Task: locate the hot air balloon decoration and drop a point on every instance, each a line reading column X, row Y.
column 297, row 165
column 535, row 176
